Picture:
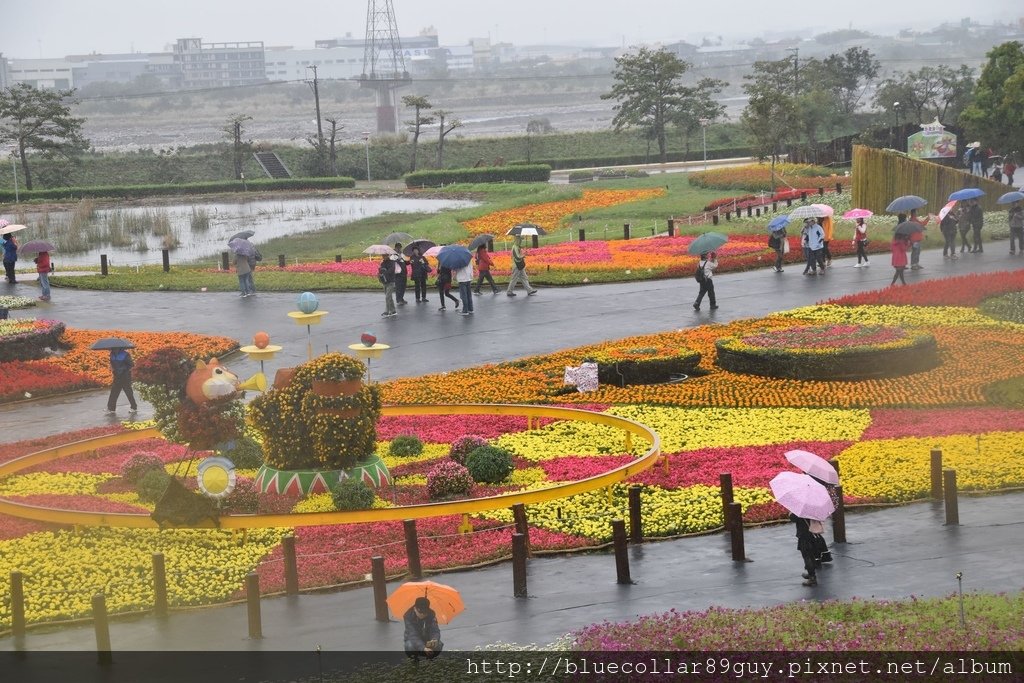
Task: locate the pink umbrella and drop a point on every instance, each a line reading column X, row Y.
column 944, row 211
column 433, row 251
column 854, row 214
column 825, row 208
column 814, row 465
column 802, row 496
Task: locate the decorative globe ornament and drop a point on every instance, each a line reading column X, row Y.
column 216, row 477
column 368, row 339
column 261, row 340
column 308, row 302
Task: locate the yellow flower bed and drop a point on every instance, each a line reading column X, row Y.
column 62, row 483
column 690, row 429
column 899, row 469
column 323, row 502
column 913, row 316
column 411, row 480
column 431, row 451
column 666, row 512
column 202, row 567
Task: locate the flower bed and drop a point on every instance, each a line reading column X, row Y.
column 29, row 339
column 758, row 177
column 829, row 352
column 14, row 302
column 966, row 290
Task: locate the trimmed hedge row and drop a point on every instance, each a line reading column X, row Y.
column 842, row 364
column 138, row 191
column 633, row 159
column 31, row 345
column 643, row 366
column 532, row 173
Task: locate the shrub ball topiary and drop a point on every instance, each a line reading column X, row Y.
column 167, row 367
column 462, row 447
column 448, row 479
column 405, row 446
column 623, row 366
column 352, row 494
column 247, row 453
column 489, row 464
column 152, row 485
column 138, row 465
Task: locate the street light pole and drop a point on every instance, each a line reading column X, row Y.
column 704, row 139
column 896, row 137
column 14, row 170
column 366, row 141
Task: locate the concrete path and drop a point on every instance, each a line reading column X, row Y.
column 424, row 340
column 892, row 553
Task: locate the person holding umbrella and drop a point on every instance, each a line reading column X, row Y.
column 465, row 277
column 401, row 275
column 42, row 261
column 704, row 276
column 916, row 238
column 519, row 269
column 444, row 286
column 10, row 257
column 976, row 218
column 813, row 238
column 121, row 368
column 483, row 266
column 947, row 226
column 900, row 245
column 420, row 270
column 386, row 276
column 808, row 502
column 1016, row 221
column 422, row 634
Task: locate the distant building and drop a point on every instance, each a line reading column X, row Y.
column 426, row 41
column 217, row 65
column 4, row 78
column 287, row 64
column 124, row 68
column 45, row 74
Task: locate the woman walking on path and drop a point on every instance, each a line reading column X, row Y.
column 401, row 276
column 964, row 225
column 519, row 269
column 779, row 242
column 826, row 228
column 483, row 265
column 805, row 544
column 705, row 276
column 1016, row 220
column 386, row 276
column 444, row 285
column 860, row 240
column 813, row 238
column 465, row 277
column 43, row 270
column 10, row 257
column 121, row 368
column 916, row 238
column 420, row 270
column 900, row 245
column 977, row 221
column 244, row 272
column 947, row 226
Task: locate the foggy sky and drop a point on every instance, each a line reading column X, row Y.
column 54, row 28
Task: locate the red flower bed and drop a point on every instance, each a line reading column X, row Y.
column 15, row 527
column 893, row 423
column 40, row 378
column 966, row 290
column 16, row 449
column 110, row 460
column 449, row 428
column 85, row 503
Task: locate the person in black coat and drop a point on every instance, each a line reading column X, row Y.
column 420, row 270
column 422, row 634
column 401, row 276
column 805, row 543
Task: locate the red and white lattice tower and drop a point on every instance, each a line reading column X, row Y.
column 383, row 62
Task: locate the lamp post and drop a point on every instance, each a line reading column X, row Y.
column 704, row 139
column 366, row 142
column 896, row 110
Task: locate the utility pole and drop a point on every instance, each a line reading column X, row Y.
column 319, row 124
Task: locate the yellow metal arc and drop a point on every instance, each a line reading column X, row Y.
column 459, row 507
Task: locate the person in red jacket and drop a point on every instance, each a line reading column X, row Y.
column 43, row 270
column 900, row 245
column 483, row 265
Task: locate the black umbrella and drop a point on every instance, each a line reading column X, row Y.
column 420, row 244
column 479, row 241
column 244, row 235
column 111, row 343
column 908, row 227
column 526, row 229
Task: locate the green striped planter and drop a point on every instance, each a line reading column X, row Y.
column 372, row 471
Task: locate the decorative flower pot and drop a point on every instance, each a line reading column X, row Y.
column 346, row 387
column 283, row 377
column 372, row 471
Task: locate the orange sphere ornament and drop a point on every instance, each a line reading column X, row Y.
column 261, row 340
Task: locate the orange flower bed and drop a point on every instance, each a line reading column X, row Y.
column 550, row 214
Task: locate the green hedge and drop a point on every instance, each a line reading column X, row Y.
column 210, row 187
column 632, row 159
column 533, row 173
column 841, row 364
column 623, row 367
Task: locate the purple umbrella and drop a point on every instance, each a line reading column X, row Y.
column 814, row 465
column 802, row 496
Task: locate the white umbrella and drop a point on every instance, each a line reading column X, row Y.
column 12, row 227
column 379, row 250
column 809, row 211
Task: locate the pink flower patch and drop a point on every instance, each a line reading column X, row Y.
column 85, row 503
column 110, row 460
column 893, row 423
column 449, row 428
column 367, row 268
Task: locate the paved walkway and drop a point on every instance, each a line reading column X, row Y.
column 424, row 340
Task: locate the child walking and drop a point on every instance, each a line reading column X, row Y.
column 444, row 286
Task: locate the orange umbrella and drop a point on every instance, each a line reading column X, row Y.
column 444, row 600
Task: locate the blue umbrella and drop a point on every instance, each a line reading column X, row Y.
column 454, row 256
column 906, row 203
column 966, row 193
column 1008, row 198
column 778, row 223
column 709, row 241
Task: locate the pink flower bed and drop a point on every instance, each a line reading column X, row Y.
column 84, row 503
column 448, row 428
column 367, row 268
column 893, row 423
column 16, row 449
column 110, row 460
column 967, row 290
column 15, row 527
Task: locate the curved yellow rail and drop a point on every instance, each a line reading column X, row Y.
column 473, row 505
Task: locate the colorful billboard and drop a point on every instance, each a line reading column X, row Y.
column 933, row 142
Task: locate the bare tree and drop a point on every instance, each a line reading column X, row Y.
column 419, row 103
column 535, row 127
column 235, row 130
column 446, row 123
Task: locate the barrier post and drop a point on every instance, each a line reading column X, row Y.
column 583, row 235
column 490, row 245
column 725, row 484
column 839, row 518
column 159, row 585
column 103, row 265
column 714, row 218
column 621, row 552
column 280, row 261
column 671, row 227
column 165, row 255
column 225, row 260
column 636, row 529
column 625, row 231
column 412, row 549
column 535, row 241
column 291, row 568
column 522, row 525
column 936, row 474
column 101, row 626
column 252, row 598
column 380, row 588
column 736, row 532
column 17, row 605
column 337, row 258
column 949, row 488
column 519, row 565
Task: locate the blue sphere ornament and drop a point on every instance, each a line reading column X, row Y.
column 308, row 302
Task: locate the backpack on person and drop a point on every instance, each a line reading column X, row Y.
column 699, row 275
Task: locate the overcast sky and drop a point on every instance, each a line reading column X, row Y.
column 54, row 28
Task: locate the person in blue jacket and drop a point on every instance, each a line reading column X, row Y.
column 121, row 367
column 422, row 634
column 10, row 257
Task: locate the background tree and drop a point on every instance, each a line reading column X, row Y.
column 419, row 103
column 997, row 113
column 40, row 121
column 928, row 93
column 535, row 127
column 446, row 123
column 648, row 92
column 698, row 108
column 234, row 129
column 771, row 114
column 325, row 155
column 848, row 75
